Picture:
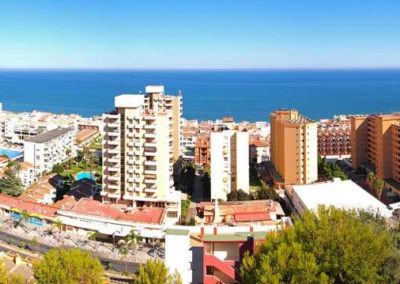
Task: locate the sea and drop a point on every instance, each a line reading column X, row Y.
column 248, row 95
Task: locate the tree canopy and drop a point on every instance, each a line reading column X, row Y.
column 332, row 246
column 10, row 184
column 155, row 271
column 330, row 170
column 7, row 278
column 68, row 266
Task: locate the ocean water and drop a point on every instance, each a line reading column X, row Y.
column 246, row 95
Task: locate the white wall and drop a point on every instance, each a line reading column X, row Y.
column 178, row 255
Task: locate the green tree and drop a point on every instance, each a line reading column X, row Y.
column 379, row 185
column 155, row 271
column 124, row 250
column 58, row 169
column 68, row 266
column 238, row 195
column 186, row 180
column 10, row 184
column 6, row 278
column 332, row 246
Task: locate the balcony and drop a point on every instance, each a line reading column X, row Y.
column 150, row 190
column 150, row 153
column 150, row 172
column 113, row 134
column 150, row 126
column 149, row 135
column 112, row 125
column 226, row 267
column 150, row 181
column 150, row 163
column 112, row 186
column 148, row 144
column 113, row 160
column 114, row 178
column 113, row 169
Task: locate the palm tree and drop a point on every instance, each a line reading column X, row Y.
column 123, row 250
column 59, row 225
column 132, row 239
column 92, row 236
column 24, row 218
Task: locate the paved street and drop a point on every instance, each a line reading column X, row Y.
column 23, row 235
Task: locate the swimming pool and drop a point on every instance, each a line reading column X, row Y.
column 12, row 154
column 82, row 175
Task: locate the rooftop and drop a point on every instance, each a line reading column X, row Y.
column 341, row 194
column 140, row 215
column 49, row 135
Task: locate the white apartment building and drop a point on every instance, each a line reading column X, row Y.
column 229, row 162
column 138, row 155
column 47, row 149
column 26, row 174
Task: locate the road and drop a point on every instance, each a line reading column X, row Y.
column 116, row 265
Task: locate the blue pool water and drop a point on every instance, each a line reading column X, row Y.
column 82, row 175
column 12, row 154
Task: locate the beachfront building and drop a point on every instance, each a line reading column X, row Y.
column 138, row 154
column 294, row 152
column 229, row 162
column 49, row 148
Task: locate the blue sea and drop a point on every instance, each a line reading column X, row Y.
column 246, row 95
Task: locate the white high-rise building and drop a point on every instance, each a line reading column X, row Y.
column 138, row 151
column 229, row 163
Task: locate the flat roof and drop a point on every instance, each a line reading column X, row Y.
column 49, row 135
column 344, row 194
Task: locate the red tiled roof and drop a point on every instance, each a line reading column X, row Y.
column 30, row 207
column 255, row 216
column 95, row 208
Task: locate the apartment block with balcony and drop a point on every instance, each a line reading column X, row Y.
column 47, row 149
column 202, row 150
column 294, row 151
column 229, row 162
column 375, row 144
column 138, row 155
column 334, row 138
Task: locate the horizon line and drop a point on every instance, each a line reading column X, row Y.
column 344, row 68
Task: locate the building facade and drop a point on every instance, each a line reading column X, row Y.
column 138, row 153
column 202, row 155
column 334, row 138
column 375, row 144
column 229, row 163
column 294, row 151
column 47, row 149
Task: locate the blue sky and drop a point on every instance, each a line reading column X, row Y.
column 199, row 34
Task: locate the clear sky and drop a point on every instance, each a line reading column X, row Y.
column 199, row 34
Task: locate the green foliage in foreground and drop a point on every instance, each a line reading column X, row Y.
column 68, row 266
column 335, row 247
column 155, row 271
column 6, row 278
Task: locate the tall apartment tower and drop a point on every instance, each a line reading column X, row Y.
column 229, row 163
column 138, row 149
column 294, row 150
column 375, row 144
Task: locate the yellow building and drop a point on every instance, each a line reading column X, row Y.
column 375, row 142
column 294, row 150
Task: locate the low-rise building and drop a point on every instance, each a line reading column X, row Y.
column 47, row 149
column 341, row 194
column 259, row 151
